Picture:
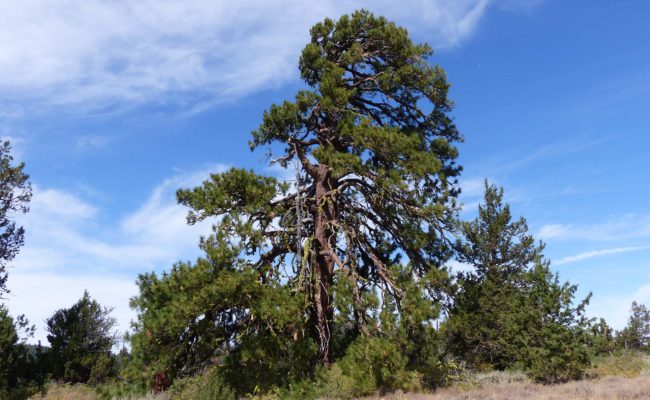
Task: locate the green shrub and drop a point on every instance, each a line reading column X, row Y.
column 559, row 361
column 120, row 390
column 208, row 386
column 625, row 363
column 375, row 364
column 329, row 383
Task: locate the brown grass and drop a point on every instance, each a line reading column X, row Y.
column 82, row 392
column 608, row 388
column 67, row 392
column 500, row 388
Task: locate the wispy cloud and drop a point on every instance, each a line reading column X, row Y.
column 630, row 226
column 516, row 159
column 519, row 5
column 598, row 253
column 472, row 190
column 96, row 53
column 90, row 142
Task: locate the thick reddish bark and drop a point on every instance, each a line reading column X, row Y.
column 325, row 215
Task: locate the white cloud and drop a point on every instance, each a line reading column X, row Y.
column 598, row 253
column 472, row 190
column 457, row 266
column 69, row 248
column 160, row 220
column 58, row 204
column 615, row 308
column 552, row 231
column 473, row 187
column 98, row 53
column 629, row 226
column 39, row 295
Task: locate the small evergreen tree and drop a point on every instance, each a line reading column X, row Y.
column 510, row 310
column 483, row 325
column 81, row 338
column 601, row 336
column 637, row 332
column 553, row 339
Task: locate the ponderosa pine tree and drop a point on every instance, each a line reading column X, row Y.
column 303, row 267
column 15, row 194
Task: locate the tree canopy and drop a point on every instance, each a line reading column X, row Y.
column 81, row 338
column 310, row 264
column 374, row 145
column 510, row 311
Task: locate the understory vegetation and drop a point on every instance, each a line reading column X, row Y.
column 624, row 375
column 337, row 284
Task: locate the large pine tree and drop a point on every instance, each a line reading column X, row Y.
column 373, row 146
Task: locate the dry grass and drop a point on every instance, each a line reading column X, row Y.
column 630, row 364
column 67, row 392
column 608, row 388
column 82, row 392
column 492, row 387
column 625, row 376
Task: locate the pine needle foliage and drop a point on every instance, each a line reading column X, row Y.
column 276, row 296
column 19, row 367
column 636, row 334
column 81, row 338
column 15, row 194
column 510, row 310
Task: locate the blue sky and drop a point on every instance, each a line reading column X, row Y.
column 115, row 105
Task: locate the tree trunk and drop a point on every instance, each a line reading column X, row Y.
column 325, row 214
